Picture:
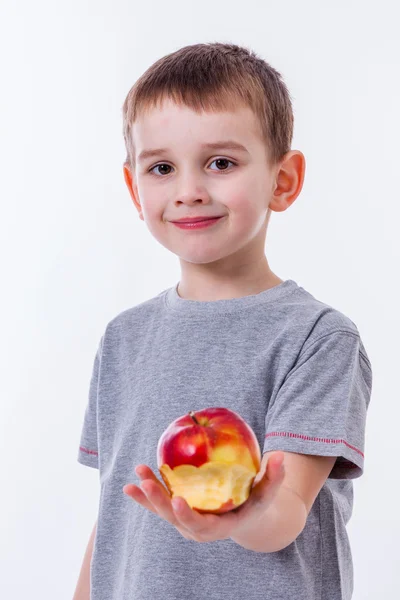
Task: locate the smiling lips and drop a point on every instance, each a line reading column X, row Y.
column 200, row 223
column 196, row 219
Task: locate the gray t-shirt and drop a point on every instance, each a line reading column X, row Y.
column 294, row 368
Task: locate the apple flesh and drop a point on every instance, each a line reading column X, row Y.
column 209, row 457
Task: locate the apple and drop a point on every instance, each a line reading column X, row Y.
column 210, row 458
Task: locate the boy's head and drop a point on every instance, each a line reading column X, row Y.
column 204, row 94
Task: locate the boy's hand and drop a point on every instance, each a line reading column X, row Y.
column 207, row 527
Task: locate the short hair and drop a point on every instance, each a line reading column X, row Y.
column 215, row 77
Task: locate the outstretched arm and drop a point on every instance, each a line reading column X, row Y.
column 285, row 517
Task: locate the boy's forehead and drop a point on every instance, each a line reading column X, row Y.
column 170, row 123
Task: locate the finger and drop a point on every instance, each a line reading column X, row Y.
column 163, row 508
column 200, row 525
column 139, row 496
column 144, row 472
column 275, row 468
column 134, row 492
column 188, row 522
column 268, row 484
column 160, row 500
column 271, row 470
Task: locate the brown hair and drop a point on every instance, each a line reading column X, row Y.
column 215, row 77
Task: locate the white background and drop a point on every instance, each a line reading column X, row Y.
column 74, row 252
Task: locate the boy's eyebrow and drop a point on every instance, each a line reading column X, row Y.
column 223, row 144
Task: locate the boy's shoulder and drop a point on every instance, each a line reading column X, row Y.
column 323, row 321
column 322, row 318
column 302, row 306
column 327, row 318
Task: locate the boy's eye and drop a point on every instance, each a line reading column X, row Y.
column 217, row 160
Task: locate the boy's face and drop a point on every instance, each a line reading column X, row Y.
column 189, row 180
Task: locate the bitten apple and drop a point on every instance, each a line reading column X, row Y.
column 209, row 457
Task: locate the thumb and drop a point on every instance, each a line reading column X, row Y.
column 275, row 468
column 275, row 463
column 274, row 471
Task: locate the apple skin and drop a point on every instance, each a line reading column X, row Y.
column 209, row 457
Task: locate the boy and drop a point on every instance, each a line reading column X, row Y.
column 208, row 132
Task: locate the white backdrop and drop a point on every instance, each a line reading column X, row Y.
column 74, row 252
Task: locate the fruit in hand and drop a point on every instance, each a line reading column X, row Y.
column 209, row 457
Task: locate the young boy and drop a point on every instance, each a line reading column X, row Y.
column 208, row 131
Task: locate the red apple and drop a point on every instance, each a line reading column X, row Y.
column 209, row 457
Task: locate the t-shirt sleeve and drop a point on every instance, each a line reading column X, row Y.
column 322, row 404
column 88, row 453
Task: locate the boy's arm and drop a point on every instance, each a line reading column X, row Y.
column 286, row 516
column 82, row 591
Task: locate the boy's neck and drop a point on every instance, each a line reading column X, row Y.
column 205, row 286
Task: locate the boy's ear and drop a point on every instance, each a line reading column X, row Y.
column 129, row 180
column 288, row 180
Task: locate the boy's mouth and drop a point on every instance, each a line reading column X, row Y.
column 199, row 224
column 196, row 219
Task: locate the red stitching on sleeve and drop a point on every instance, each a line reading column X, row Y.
column 88, row 451
column 313, row 439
